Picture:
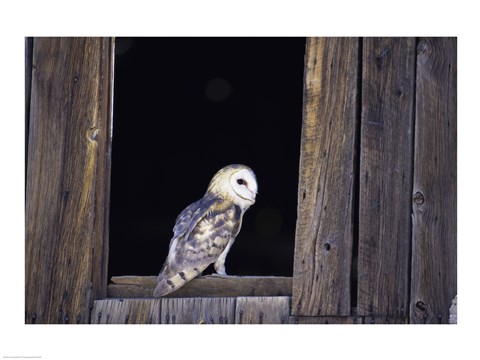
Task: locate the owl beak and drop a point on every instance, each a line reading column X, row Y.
column 253, row 194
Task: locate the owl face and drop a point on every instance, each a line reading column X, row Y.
column 244, row 185
column 237, row 182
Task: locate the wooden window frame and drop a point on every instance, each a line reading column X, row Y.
column 371, row 186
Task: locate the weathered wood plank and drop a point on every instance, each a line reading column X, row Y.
column 28, row 88
column 198, row 311
column 372, row 320
column 356, row 320
column 325, row 320
column 434, row 249
column 128, row 311
column 135, row 280
column 324, row 235
column 101, row 229
column 385, row 176
column 120, row 291
column 206, row 286
column 262, row 310
column 67, row 197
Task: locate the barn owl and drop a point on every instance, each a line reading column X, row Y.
column 205, row 231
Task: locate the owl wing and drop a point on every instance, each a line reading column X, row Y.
column 201, row 233
column 191, row 215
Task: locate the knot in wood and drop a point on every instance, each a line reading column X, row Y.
column 422, row 47
column 421, row 312
column 418, row 198
column 420, row 305
column 400, row 90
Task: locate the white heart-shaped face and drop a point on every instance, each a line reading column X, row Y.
column 244, row 186
column 236, row 183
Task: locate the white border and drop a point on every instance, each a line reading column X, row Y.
column 234, row 18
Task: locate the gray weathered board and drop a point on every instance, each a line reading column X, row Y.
column 386, row 138
column 342, row 320
column 324, row 235
column 219, row 310
column 68, row 178
column 126, row 311
column 198, row 311
column 434, row 249
column 206, row 286
column 262, row 310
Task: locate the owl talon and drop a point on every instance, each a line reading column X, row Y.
column 218, row 275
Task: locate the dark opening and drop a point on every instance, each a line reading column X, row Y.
column 183, row 109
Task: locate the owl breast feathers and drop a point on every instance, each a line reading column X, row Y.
column 205, row 231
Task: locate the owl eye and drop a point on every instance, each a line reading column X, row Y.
column 241, row 182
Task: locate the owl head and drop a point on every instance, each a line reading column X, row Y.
column 237, row 183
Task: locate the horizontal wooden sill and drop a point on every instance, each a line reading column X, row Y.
column 205, row 286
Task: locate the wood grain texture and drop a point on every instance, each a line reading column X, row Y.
column 386, row 138
column 28, row 90
column 198, row 311
column 206, row 286
column 128, row 311
column 324, row 234
column 121, row 291
column 150, row 281
column 67, row 188
column 262, row 310
column 355, row 320
column 384, row 320
column 434, row 249
column 324, row 320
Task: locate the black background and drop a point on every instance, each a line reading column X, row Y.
column 183, row 109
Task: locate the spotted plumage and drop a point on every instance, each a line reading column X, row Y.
column 205, row 230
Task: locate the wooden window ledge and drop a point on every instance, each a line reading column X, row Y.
column 205, row 286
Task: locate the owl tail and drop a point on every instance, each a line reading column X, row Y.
column 168, row 282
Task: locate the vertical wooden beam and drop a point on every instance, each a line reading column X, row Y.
column 100, row 250
column 388, row 79
column 324, row 235
column 434, row 252
column 67, row 189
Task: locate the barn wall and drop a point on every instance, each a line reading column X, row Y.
column 376, row 227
